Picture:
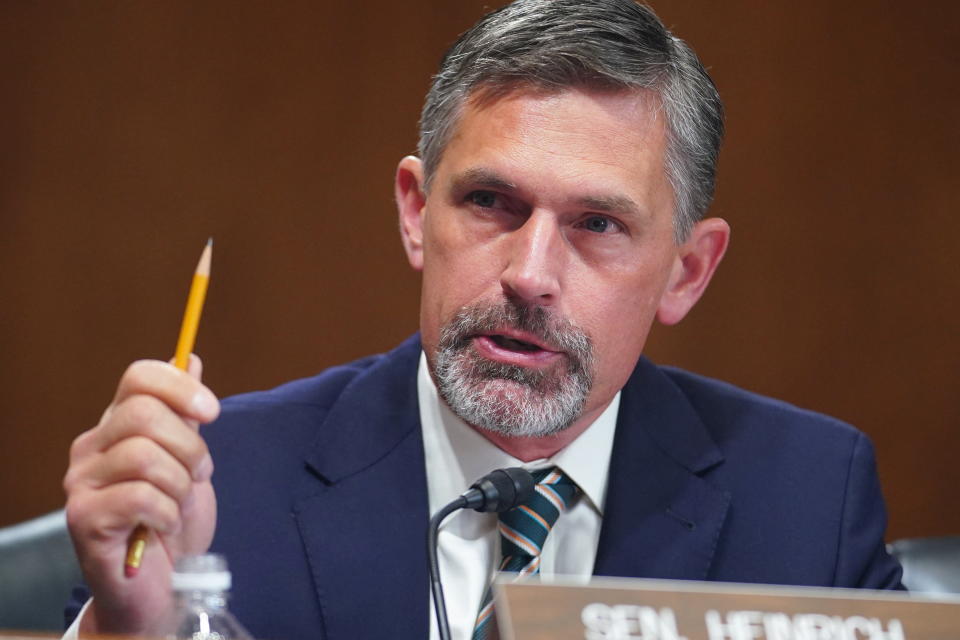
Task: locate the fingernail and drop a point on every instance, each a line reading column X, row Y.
column 204, row 470
column 205, row 403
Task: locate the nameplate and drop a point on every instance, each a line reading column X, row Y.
column 620, row 609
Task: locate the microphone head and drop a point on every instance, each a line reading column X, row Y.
column 502, row 490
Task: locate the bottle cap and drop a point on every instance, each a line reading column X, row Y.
column 204, row 572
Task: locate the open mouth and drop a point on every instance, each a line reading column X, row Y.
column 512, row 344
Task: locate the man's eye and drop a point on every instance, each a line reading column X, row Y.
column 484, row 199
column 600, row 224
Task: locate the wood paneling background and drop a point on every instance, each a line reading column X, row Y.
column 131, row 131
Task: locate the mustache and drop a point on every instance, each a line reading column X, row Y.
column 558, row 333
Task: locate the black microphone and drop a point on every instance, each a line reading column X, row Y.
column 499, row 491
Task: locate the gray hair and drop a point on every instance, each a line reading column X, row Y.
column 606, row 44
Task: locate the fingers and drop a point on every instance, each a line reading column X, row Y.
column 156, row 400
column 195, row 366
column 145, row 417
column 143, row 461
column 101, row 516
column 135, row 481
column 182, row 391
column 139, row 458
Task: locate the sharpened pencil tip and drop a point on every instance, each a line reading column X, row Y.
column 203, row 267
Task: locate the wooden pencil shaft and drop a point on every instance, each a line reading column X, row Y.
column 188, row 337
column 191, row 315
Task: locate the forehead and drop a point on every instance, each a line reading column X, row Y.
column 586, row 111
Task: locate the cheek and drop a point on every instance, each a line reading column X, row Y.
column 618, row 347
column 453, row 279
column 622, row 331
column 459, row 268
column 619, row 325
column 457, row 272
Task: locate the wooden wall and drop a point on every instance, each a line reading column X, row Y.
column 131, row 131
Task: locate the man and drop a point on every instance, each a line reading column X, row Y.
column 567, row 158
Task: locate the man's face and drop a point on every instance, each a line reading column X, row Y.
column 546, row 243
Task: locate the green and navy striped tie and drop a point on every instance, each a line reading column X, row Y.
column 523, row 531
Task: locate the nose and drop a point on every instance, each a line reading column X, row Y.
column 535, row 260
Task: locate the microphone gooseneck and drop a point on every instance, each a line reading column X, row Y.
column 498, row 491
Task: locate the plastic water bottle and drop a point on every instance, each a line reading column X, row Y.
column 200, row 587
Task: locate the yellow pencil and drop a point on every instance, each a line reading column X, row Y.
column 188, row 336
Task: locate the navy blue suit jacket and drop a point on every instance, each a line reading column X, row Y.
column 323, row 499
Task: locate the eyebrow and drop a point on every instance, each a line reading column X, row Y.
column 484, row 177
column 614, row 203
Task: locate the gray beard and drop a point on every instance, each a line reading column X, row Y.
column 508, row 399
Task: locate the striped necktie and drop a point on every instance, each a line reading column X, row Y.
column 523, row 531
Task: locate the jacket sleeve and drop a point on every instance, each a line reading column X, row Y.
column 78, row 598
column 862, row 558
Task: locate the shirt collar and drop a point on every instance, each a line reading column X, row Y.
column 457, row 455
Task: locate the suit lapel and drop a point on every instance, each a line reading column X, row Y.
column 661, row 518
column 368, row 479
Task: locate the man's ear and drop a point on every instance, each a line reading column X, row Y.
column 696, row 261
column 411, row 200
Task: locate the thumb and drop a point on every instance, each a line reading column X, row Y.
column 195, row 370
column 194, row 366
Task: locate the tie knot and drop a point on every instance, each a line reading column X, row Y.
column 524, row 529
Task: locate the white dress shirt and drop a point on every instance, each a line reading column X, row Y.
column 469, row 546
